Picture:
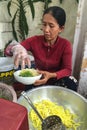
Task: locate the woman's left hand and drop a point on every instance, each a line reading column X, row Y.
column 45, row 77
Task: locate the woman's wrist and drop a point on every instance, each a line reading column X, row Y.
column 53, row 75
column 8, row 50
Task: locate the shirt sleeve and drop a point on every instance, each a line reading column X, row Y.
column 26, row 44
column 66, row 64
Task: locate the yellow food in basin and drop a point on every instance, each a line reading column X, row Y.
column 47, row 108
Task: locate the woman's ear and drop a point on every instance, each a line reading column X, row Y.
column 61, row 29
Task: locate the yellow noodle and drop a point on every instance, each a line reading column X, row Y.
column 47, row 108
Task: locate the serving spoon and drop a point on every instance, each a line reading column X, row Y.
column 52, row 122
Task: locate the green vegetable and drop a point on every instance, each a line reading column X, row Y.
column 28, row 73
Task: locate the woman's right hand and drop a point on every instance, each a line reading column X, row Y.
column 20, row 56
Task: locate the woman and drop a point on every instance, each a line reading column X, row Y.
column 52, row 53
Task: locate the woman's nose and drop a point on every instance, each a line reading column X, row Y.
column 46, row 29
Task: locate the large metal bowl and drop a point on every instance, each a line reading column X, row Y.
column 63, row 96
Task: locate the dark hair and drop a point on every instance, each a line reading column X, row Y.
column 58, row 13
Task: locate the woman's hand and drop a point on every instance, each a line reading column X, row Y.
column 20, row 56
column 45, row 77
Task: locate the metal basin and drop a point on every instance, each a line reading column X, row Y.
column 63, row 96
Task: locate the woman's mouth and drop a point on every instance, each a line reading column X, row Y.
column 47, row 36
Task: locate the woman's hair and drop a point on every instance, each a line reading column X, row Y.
column 58, row 13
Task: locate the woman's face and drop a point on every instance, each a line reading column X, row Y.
column 50, row 27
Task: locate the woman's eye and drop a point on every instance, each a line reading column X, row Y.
column 51, row 26
column 43, row 24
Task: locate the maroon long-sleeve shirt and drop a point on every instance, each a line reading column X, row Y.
column 55, row 58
